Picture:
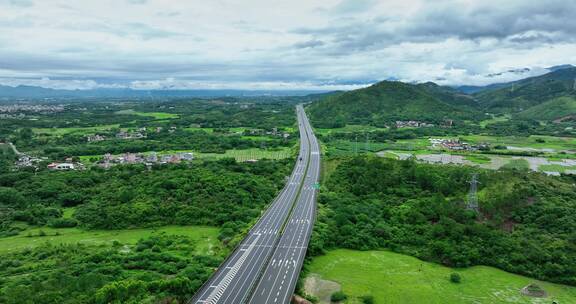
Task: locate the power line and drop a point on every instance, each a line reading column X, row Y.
column 473, row 194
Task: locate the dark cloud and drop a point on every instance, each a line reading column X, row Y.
column 524, row 23
column 309, row 44
column 494, row 21
column 354, row 42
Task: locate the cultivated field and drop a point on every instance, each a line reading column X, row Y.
column 155, row 115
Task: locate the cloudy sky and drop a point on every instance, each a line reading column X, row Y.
column 280, row 44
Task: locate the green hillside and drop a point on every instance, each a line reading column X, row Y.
column 523, row 94
column 556, row 109
column 388, row 101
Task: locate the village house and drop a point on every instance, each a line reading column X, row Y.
column 130, row 135
column 456, row 145
column 61, row 166
column 95, row 138
column 412, row 124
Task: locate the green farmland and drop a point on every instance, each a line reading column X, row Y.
column 155, row 115
column 80, row 131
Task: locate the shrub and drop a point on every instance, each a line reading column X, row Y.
column 338, row 296
column 455, row 278
column 368, row 299
column 63, row 223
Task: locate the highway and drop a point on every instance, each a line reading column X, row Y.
column 241, row 273
column 279, row 279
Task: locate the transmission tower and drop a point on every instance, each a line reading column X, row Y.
column 367, row 145
column 473, row 195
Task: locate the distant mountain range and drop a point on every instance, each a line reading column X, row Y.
column 550, row 97
column 522, row 95
column 475, row 89
column 34, row 92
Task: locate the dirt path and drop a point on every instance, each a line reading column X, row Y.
column 321, row 289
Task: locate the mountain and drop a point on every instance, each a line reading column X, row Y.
column 391, row 100
column 468, row 89
column 521, row 95
column 560, row 67
column 449, row 95
column 33, row 92
column 557, row 109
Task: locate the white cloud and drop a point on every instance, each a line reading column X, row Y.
column 287, row 43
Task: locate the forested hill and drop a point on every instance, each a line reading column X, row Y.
column 387, row 101
column 522, row 95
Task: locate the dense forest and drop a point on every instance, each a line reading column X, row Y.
column 209, row 193
column 526, row 224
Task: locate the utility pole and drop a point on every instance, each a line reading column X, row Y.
column 473, row 195
column 367, row 145
column 356, row 145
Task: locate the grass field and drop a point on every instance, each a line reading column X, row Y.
column 210, row 130
column 248, row 154
column 206, row 237
column 345, row 147
column 494, row 119
column 518, row 164
column 82, row 131
column 478, row 159
column 155, row 115
column 348, row 128
column 393, row 278
column 555, row 168
column 534, row 141
column 328, row 167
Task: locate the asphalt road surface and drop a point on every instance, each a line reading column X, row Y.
column 254, row 267
column 279, row 279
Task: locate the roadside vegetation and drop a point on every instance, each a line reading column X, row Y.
column 210, row 193
column 160, row 268
column 525, row 225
